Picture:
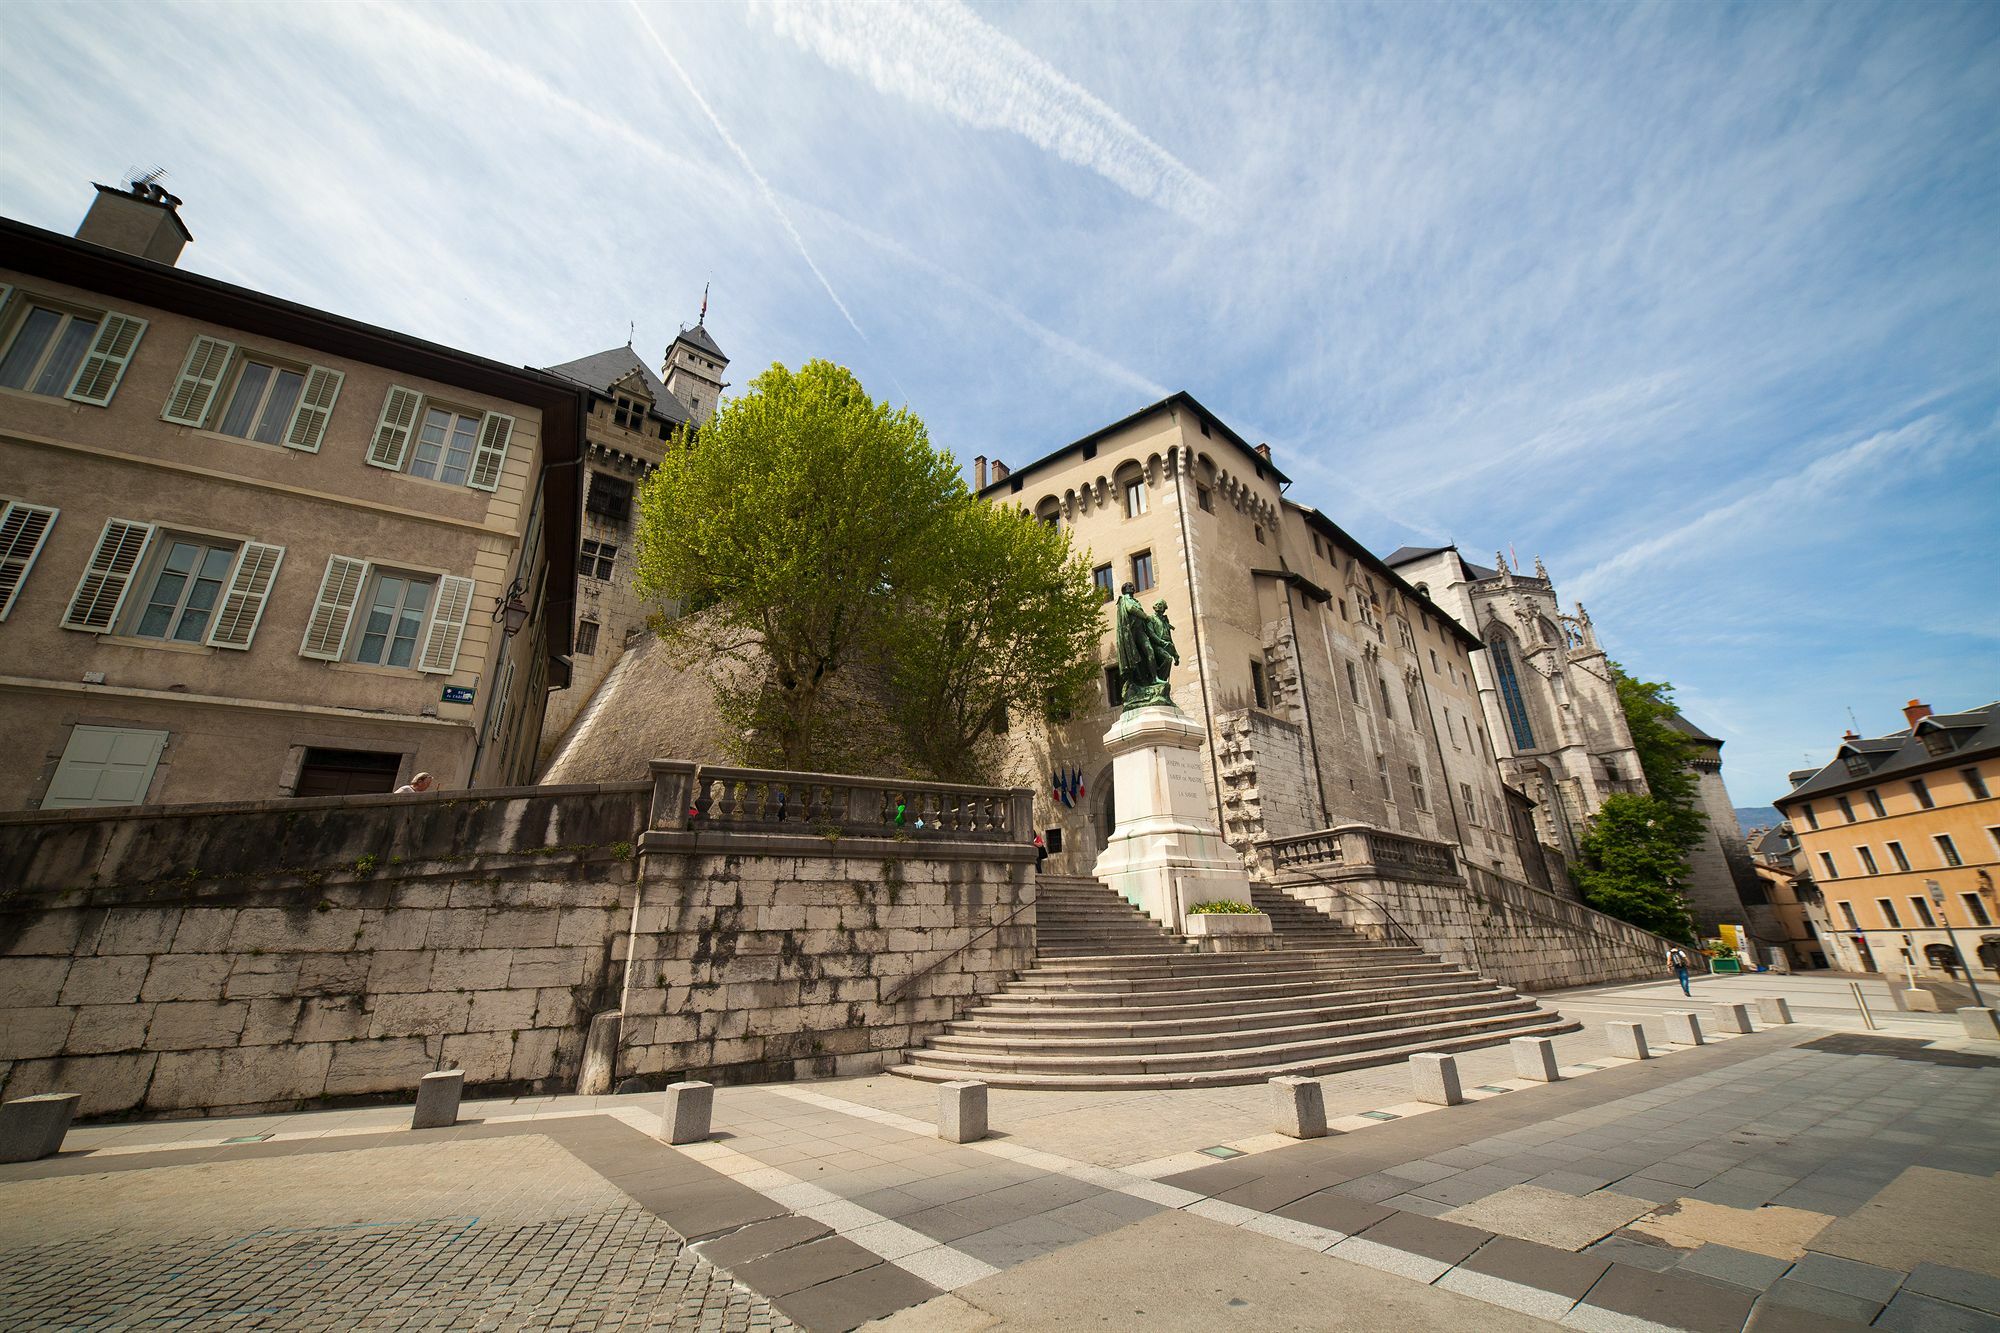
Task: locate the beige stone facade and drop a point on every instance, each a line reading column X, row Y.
column 1330, row 691
column 249, row 549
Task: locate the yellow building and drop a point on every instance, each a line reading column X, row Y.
column 249, row 549
column 1901, row 835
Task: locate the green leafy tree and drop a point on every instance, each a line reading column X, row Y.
column 1636, row 853
column 790, row 524
column 1004, row 618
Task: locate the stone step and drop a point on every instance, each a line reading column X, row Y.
column 1248, row 962
column 1248, row 1064
column 1286, row 969
column 1054, row 1002
column 1173, row 1019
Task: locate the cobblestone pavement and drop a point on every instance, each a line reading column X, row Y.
column 509, row 1233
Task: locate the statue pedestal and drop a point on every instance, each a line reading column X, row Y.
column 1165, row 855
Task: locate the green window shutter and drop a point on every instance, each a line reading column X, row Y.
column 339, row 590
column 201, row 376
column 393, row 430
column 448, row 617
column 315, row 409
column 97, row 378
column 101, row 591
column 249, row 591
column 494, row 433
column 23, row 529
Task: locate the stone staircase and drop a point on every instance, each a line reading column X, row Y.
column 1108, row 1005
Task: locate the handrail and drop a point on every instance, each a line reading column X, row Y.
column 924, row 971
column 1346, row 892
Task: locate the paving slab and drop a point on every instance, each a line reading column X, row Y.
column 1848, row 1276
column 1335, row 1211
column 1821, row 1301
column 1781, row 1233
column 856, row 1298
column 1955, row 1285
column 1923, row 1216
column 1739, row 1268
column 1679, row 1301
column 1910, row 1312
column 1550, row 1217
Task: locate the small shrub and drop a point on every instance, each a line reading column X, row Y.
column 1221, row 907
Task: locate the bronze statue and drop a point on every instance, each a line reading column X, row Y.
column 1146, row 652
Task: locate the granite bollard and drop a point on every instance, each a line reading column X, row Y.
column 962, row 1111
column 1983, row 1024
column 1434, row 1078
column 1684, row 1027
column 1774, row 1009
column 1298, row 1106
column 684, row 1116
column 1628, row 1040
column 32, row 1128
column 1535, row 1058
column 437, row 1099
column 1733, row 1018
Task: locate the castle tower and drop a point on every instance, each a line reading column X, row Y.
column 694, row 367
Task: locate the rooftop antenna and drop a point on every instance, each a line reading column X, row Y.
column 631, row 331
column 1852, row 725
column 134, row 178
column 702, row 319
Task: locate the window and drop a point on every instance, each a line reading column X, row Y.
column 1114, row 686
column 1993, row 832
column 629, row 413
column 1449, row 733
column 1923, row 793
column 1417, row 792
column 1812, row 819
column 1383, row 684
column 1947, row 849
column 1923, row 909
column 596, row 559
column 1826, row 859
column 72, row 354
column 1975, row 909
column 1101, row 576
column 1204, row 498
column 1875, row 803
column 1142, row 570
column 197, row 589
column 1434, row 661
column 1896, row 855
column 1889, row 913
column 185, row 588
column 405, row 618
column 1353, row 684
column 1938, row 742
column 1471, row 806
column 105, row 766
column 450, row 445
column 1975, row 782
column 1257, row 690
column 610, row 497
column 586, row 638
column 1258, row 528
column 1847, row 911
column 347, row 772
column 1135, row 497
column 1867, row 861
column 23, row 530
column 1382, row 773
column 1846, row 808
column 262, row 405
column 1857, row 765
column 1316, row 546
column 1510, row 696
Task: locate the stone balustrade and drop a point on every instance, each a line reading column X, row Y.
column 1358, row 851
column 698, row 797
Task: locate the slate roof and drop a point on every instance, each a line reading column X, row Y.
column 697, row 338
column 601, row 370
column 1404, row 555
column 1972, row 733
column 1690, row 730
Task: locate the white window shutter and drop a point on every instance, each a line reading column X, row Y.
column 106, row 579
column 339, row 590
column 393, row 430
column 315, row 409
column 97, row 378
column 201, row 375
column 23, row 529
column 448, row 617
column 249, row 591
column 491, row 456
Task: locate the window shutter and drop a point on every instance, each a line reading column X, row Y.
column 392, row 432
column 491, row 456
column 315, row 409
column 454, row 605
column 101, row 591
column 249, row 590
column 339, row 590
column 97, row 379
column 201, row 375
column 6, row 291
column 23, row 529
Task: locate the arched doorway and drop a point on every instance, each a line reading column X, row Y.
column 1103, row 809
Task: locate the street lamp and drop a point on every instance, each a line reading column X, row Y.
column 1937, row 900
column 510, row 607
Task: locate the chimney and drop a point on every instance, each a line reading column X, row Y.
column 144, row 220
column 1850, row 735
column 999, row 472
column 979, row 473
column 1916, row 711
column 1264, row 452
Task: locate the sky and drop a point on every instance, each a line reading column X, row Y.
column 1698, row 302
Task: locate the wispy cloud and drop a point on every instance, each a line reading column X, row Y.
column 941, row 55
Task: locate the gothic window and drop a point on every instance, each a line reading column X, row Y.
column 1049, row 511
column 596, row 560
column 1257, row 690
column 1382, row 772
column 609, row 497
column 1353, row 684
column 1417, row 791
column 629, row 413
column 1510, row 695
column 1205, row 498
column 1107, row 590
column 586, row 637
column 1132, row 489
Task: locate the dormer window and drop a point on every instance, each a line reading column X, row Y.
column 1857, row 765
column 1937, row 741
column 629, row 413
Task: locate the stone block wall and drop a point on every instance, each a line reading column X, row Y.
column 205, row 960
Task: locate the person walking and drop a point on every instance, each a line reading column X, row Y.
column 1677, row 959
column 1041, row 853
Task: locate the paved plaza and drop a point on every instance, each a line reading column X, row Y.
column 1818, row 1176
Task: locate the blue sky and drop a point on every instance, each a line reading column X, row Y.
column 1698, row 302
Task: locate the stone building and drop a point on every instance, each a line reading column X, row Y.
column 1331, row 690
column 1901, row 834
column 633, row 418
column 250, row 549
column 1786, row 914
